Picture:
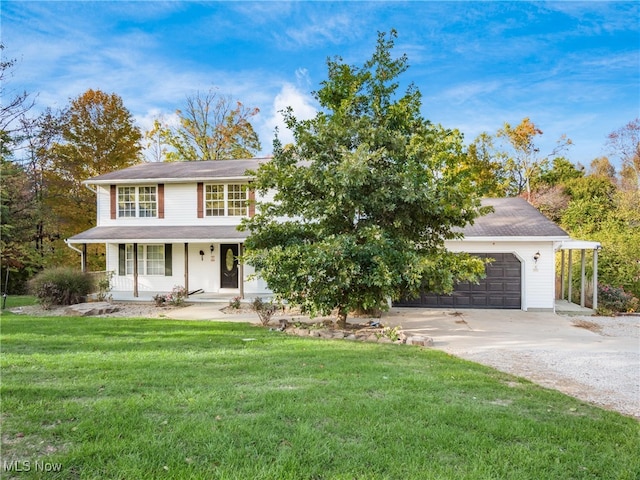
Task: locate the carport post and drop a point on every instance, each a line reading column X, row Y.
column 561, row 274
column 595, row 279
column 582, row 277
column 570, row 276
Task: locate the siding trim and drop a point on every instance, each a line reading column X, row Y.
column 161, row 200
column 200, row 200
column 113, row 201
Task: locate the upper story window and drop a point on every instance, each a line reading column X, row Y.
column 137, row 201
column 226, row 200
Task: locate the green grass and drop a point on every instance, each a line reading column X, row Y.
column 117, row 398
column 13, row 301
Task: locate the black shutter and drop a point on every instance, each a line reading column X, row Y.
column 122, row 264
column 168, row 270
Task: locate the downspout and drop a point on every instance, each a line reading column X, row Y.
column 77, row 250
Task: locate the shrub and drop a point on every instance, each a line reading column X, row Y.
column 235, row 303
column 615, row 299
column 104, row 287
column 159, row 299
column 265, row 310
column 61, row 286
column 177, row 296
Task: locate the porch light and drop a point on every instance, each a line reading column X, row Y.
column 202, row 255
column 536, row 257
column 211, row 249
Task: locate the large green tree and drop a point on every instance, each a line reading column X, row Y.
column 211, row 127
column 364, row 199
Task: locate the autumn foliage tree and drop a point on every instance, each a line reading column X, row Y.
column 211, row 127
column 97, row 134
column 368, row 192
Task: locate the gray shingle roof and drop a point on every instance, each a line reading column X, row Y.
column 159, row 234
column 177, row 171
column 513, row 217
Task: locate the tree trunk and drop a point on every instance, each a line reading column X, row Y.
column 342, row 316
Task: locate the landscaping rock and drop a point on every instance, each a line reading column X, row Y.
column 419, row 340
column 90, row 309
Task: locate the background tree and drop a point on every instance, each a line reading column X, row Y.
column 369, row 192
column 97, row 135
column 14, row 104
column 17, row 254
column 522, row 158
column 625, row 144
column 483, row 164
column 212, row 127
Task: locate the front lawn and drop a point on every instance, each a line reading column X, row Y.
column 135, row 399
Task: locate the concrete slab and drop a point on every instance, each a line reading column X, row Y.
column 210, row 311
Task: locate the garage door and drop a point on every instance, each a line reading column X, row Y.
column 500, row 289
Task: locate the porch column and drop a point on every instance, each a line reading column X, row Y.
column 135, row 270
column 595, row 279
column 582, row 277
column 186, row 268
column 84, row 258
column 241, row 269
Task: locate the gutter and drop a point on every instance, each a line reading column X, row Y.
column 77, row 250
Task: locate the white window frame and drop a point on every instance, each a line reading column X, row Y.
column 147, row 264
column 234, row 199
column 144, row 203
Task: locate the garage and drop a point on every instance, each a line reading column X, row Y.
column 500, row 289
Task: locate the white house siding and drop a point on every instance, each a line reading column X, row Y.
column 204, row 273
column 180, row 208
column 538, row 279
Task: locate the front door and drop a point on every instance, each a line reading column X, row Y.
column 229, row 265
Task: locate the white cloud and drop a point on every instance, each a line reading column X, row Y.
column 303, row 106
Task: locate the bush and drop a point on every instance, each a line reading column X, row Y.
column 103, row 285
column 615, row 299
column 235, row 303
column 61, row 286
column 265, row 310
column 177, row 296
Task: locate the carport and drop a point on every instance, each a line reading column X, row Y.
column 582, row 246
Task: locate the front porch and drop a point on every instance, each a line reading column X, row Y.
column 213, row 298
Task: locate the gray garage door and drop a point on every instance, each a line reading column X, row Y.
column 500, row 289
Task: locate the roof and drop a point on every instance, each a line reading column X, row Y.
column 180, row 171
column 513, row 217
column 160, row 234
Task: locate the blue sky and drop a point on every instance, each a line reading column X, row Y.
column 573, row 68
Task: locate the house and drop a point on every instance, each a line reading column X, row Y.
column 175, row 224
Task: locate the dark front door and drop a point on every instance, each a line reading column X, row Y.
column 229, row 265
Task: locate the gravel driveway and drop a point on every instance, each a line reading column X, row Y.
column 595, row 359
